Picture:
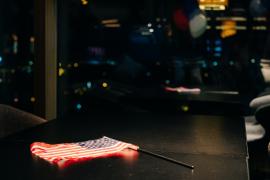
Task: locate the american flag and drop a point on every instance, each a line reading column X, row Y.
column 66, row 153
column 183, row 90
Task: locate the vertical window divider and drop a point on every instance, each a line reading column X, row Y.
column 45, row 65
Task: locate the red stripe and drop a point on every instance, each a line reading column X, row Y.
column 86, row 155
column 69, row 148
column 80, row 150
column 60, row 153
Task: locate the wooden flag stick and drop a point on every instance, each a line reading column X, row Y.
column 165, row 158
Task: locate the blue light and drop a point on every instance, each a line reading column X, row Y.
column 89, row 84
column 215, row 63
column 93, row 62
column 218, row 42
column 79, row 106
column 1, row 59
column 204, row 65
column 217, row 54
column 218, row 49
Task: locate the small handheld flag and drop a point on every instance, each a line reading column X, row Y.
column 183, row 90
column 67, row 153
column 61, row 154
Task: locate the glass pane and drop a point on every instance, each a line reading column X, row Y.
column 16, row 53
column 111, row 50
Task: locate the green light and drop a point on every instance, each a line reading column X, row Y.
column 215, row 63
column 79, row 106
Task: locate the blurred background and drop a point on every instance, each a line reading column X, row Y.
column 110, row 49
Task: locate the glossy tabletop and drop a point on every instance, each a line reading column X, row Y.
column 215, row 145
column 206, row 102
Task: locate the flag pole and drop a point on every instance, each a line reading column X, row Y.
column 165, row 158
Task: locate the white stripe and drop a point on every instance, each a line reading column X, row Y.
column 83, row 151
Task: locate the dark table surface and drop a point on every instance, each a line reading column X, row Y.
column 206, row 95
column 207, row 102
column 215, row 145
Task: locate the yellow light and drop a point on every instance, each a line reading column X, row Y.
column 169, row 32
column 242, row 28
column 32, row 39
column 259, row 28
column 185, row 108
column 234, row 18
column 213, row 2
column 228, row 28
column 228, row 25
column 104, row 84
column 76, row 65
column 61, row 71
column 213, row 7
column 84, row 2
column 32, row 99
column 112, row 25
column 109, row 21
column 216, row 5
column 14, row 37
column 260, row 19
column 228, row 33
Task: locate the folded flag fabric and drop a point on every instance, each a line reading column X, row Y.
column 67, row 153
column 183, row 90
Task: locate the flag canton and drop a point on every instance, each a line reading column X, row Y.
column 99, row 143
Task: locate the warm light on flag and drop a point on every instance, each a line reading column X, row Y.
column 67, row 153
